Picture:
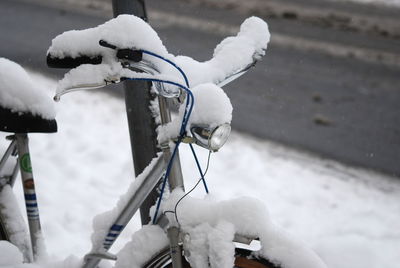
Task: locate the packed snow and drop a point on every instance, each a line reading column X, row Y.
column 212, row 106
column 348, row 216
column 20, row 94
column 211, row 226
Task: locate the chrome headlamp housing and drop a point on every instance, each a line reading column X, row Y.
column 211, row 138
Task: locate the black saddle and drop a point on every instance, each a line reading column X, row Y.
column 25, row 122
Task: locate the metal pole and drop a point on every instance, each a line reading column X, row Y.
column 140, row 121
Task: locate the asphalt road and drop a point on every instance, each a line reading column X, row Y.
column 337, row 107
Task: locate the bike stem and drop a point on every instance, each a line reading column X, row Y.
column 175, row 178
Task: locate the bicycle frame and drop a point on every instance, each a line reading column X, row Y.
column 20, row 146
column 19, row 143
column 144, row 188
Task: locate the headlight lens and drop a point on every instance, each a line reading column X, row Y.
column 211, row 139
column 219, row 136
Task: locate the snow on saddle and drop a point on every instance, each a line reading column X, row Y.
column 24, row 107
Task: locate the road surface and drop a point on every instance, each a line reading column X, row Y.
column 332, row 92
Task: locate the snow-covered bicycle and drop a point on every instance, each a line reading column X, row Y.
column 185, row 232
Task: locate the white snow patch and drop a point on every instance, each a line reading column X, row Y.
column 231, row 55
column 145, row 243
column 21, row 94
column 10, row 254
column 394, row 3
column 125, row 31
column 207, row 220
column 103, row 221
column 212, row 108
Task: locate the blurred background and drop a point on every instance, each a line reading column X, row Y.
column 329, row 83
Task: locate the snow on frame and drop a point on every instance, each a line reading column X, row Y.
column 103, row 222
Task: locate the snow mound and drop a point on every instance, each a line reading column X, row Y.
column 144, row 244
column 20, row 94
column 10, row 254
column 231, row 55
column 125, row 31
column 212, row 108
column 211, row 226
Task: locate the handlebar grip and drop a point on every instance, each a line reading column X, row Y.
column 69, row 62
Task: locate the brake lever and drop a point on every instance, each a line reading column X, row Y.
column 106, row 82
column 236, row 75
column 124, row 53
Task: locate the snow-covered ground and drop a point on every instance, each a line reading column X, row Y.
column 395, row 3
column 350, row 217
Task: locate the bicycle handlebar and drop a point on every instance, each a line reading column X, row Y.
column 69, row 62
column 119, row 53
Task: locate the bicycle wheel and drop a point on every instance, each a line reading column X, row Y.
column 3, row 231
column 243, row 259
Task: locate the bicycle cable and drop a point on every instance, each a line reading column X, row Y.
column 186, row 115
column 170, row 62
column 188, row 86
column 191, row 190
column 185, row 120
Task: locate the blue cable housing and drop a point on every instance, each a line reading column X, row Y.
column 199, row 168
column 185, row 120
column 170, row 62
column 186, row 116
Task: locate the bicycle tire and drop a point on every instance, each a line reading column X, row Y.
column 243, row 259
column 3, row 231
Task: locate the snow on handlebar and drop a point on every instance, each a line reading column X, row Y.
column 130, row 35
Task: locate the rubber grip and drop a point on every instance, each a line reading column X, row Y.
column 69, row 62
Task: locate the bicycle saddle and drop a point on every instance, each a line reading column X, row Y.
column 16, row 122
column 24, row 107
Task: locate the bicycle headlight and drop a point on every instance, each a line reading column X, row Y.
column 211, row 138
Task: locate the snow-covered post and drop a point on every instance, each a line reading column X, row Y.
column 140, row 120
